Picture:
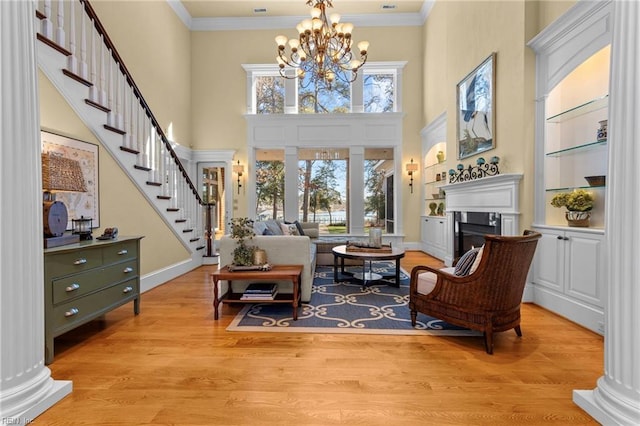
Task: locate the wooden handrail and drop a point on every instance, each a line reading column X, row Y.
column 114, row 53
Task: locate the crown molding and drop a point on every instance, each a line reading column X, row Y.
column 280, row 22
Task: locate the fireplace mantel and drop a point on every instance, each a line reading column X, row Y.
column 497, row 194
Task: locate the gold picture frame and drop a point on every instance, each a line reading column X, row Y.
column 78, row 204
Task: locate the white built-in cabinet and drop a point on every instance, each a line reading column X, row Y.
column 572, row 83
column 435, row 229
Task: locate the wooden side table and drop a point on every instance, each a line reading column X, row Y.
column 278, row 272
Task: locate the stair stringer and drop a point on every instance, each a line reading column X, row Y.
column 52, row 62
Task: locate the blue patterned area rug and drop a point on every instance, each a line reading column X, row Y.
column 347, row 307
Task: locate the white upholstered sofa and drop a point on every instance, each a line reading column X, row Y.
column 281, row 250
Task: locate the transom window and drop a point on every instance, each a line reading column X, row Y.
column 375, row 90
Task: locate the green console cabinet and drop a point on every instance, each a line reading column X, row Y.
column 85, row 280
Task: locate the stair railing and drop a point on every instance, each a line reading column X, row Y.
column 99, row 66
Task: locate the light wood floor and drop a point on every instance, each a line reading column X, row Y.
column 173, row 364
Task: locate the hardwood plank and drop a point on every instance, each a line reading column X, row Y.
column 173, row 364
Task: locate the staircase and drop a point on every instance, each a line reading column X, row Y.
column 80, row 60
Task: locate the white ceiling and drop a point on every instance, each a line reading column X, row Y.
column 241, row 14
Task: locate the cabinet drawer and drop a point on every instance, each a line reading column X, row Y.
column 71, row 314
column 86, row 282
column 120, row 252
column 62, row 264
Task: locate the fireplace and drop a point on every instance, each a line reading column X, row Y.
column 470, row 228
column 490, row 206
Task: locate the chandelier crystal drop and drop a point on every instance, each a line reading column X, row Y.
column 323, row 48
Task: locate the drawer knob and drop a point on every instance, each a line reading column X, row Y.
column 72, row 287
column 127, row 289
column 80, row 261
column 71, row 312
column 123, row 251
column 128, row 269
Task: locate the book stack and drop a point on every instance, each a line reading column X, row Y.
column 260, row 291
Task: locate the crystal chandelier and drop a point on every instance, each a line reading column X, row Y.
column 323, row 48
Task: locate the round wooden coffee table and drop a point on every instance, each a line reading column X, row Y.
column 340, row 253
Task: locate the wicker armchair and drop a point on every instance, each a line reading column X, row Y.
column 488, row 299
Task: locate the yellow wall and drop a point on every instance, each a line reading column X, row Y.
column 219, row 95
column 195, row 81
column 156, row 48
column 121, row 204
column 458, row 37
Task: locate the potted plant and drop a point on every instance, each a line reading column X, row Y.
column 578, row 204
column 242, row 230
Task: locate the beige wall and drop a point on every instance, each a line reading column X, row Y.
column 219, row 95
column 155, row 46
column 121, row 204
column 458, row 37
column 195, row 81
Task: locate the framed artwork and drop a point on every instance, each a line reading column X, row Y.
column 476, row 110
column 78, row 204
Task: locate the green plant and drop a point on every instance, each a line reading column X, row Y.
column 577, row 200
column 241, row 230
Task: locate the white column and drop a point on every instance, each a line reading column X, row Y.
column 356, row 192
column 26, row 386
column 291, row 206
column 616, row 399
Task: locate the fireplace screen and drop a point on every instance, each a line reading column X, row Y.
column 470, row 228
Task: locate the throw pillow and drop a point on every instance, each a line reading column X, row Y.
column 298, row 226
column 463, row 267
column 259, row 227
column 290, row 229
column 476, row 262
column 273, row 226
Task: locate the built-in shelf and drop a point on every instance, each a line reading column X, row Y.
column 576, row 111
column 578, row 148
column 571, row 188
column 430, row 166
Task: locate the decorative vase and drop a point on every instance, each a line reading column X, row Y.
column 259, row 257
column 602, row 131
column 432, row 207
column 440, row 156
column 375, row 237
column 578, row 219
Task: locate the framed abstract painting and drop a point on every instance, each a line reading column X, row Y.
column 476, row 110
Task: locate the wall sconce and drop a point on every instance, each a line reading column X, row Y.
column 411, row 168
column 239, row 170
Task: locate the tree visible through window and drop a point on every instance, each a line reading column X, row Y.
column 379, row 92
column 316, row 99
column 269, row 95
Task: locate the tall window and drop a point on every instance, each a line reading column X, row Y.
column 314, row 99
column 379, row 92
column 323, row 189
column 270, row 184
column 378, row 165
column 269, row 95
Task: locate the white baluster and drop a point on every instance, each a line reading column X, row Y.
column 126, row 140
column 110, row 115
column 72, row 61
column 119, row 94
column 103, row 72
column 47, row 26
column 94, row 92
column 60, row 39
column 83, row 72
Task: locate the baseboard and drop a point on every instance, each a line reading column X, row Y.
column 161, row 276
column 59, row 390
column 585, row 315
